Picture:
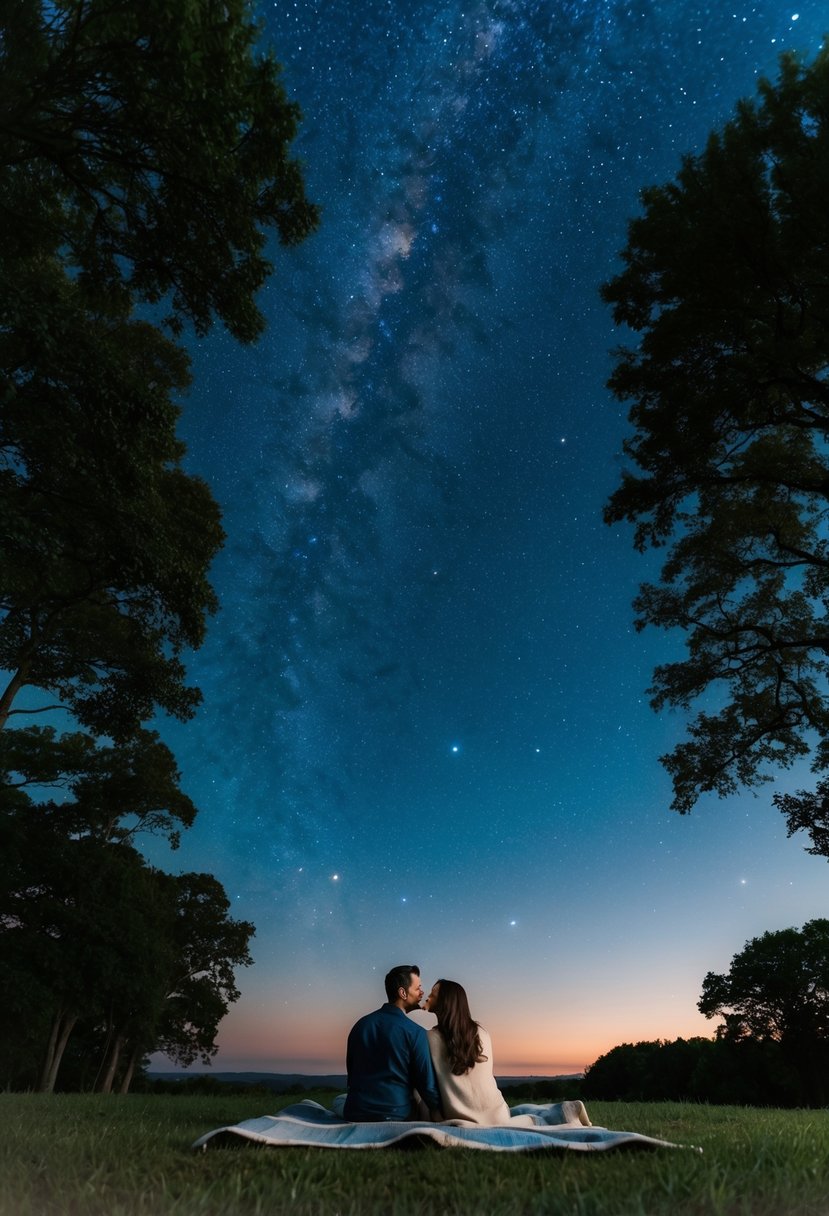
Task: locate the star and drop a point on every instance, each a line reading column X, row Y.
column 435, row 534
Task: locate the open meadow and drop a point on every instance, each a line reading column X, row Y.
column 84, row 1155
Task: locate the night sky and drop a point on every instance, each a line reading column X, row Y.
column 426, row 734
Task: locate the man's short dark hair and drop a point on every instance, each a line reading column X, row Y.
column 399, row 977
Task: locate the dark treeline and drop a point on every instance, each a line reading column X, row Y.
column 771, row 1048
column 697, row 1070
column 144, row 165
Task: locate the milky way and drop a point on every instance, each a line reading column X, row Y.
column 425, row 731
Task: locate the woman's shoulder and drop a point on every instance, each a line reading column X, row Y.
column 437, row 1044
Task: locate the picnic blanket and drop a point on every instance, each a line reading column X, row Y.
column 309, row 1125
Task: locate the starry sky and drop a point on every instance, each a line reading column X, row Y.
column 426, row 734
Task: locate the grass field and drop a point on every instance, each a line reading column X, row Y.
column 84, row 1155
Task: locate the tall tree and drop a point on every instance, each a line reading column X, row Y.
column 70, row 909
column 145, row 167
column 184, row 980
column 103, row 576
column 91, row 935
column 208, row 946
column 144, row 160
column 726, row 279
column 777, row 990
column 149, row 146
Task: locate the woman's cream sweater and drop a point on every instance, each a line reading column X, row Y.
column 474, row 1097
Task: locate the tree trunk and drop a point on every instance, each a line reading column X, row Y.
column 62, row 1026
column 112, row 1064
column 126, row 1080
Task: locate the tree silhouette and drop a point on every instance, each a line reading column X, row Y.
column 777, row 989
column 726, row 279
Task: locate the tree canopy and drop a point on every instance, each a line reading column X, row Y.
column 111, row 793
column 149, row 146
column 146, row 178
column 726, row 280
column 743, row 1073
column 94, row 936
column 777, row 989
column 144, row 160
column 103, row 573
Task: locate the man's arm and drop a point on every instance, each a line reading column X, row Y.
column 423, row 1075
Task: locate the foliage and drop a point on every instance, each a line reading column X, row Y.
column 808, row 811
column 103, row 579
column 113, row 793
column 144, row 160
column 208, row 944
column 82, row 929
column 726, row 279
column 96, row 941
column 777, row 989
column 772, row 1047
column 696, row 1070
column 87, row 1154
column 144, row 167
column 148, row 146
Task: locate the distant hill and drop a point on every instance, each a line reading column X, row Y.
column 505, row 1082
column 279, row 1082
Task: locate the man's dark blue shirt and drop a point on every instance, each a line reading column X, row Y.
column 387, row 1057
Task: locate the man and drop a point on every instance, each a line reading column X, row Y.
column 388, row 1057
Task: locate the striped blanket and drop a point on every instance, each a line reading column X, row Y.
column 309, row 1125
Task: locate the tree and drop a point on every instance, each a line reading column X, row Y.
column 111, row 793
column 620, row 1072
column 747, row 1072
column 777, row 990
column 808, row 811
column 92, row 936
column 144, row 168
column 147, row 145
column 208, row 946
column 183, row 981
column 103, row 576
column 144, row 160
column 71, row 911
column 726, row 279
column 654, row 1071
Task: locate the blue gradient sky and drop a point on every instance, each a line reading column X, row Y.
column 425, row 733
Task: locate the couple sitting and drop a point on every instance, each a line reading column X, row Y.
column 398, row 1072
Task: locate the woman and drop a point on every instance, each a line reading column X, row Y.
column 462, row 1056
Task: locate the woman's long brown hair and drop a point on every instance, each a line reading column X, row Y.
column 458, row 1030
